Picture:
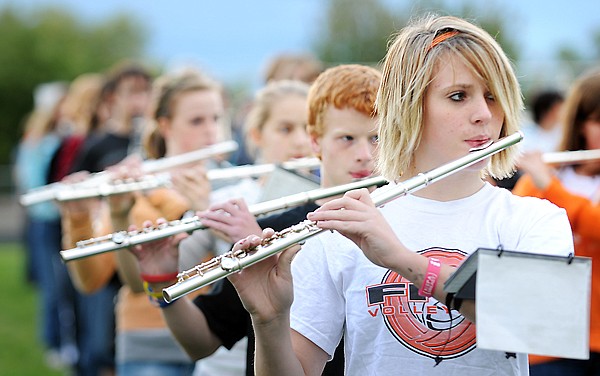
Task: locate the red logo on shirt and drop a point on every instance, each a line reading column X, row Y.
column 421, row 324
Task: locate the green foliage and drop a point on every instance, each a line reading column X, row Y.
column 355, row 31
column 575, row 61
column 358, row 31
column 22, row 353
column 51, row 44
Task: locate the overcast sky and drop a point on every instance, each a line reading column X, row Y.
column 233, row 39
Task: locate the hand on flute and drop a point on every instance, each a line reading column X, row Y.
column 355, row 216
column 532, row 164
column 158, row 257
column 129, row 168
column 193, row 184
column 230, row 220
column 74, row 207
column 265, row 288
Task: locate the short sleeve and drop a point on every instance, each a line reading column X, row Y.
column 318, row 309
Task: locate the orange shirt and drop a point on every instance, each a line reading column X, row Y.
column 134, row 310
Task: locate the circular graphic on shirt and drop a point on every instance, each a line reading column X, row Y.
column 424, row 325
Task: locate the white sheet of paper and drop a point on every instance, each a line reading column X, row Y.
column 533, row 305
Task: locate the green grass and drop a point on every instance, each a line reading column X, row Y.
column 21, row 352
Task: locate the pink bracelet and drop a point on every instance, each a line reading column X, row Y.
column 431, row 277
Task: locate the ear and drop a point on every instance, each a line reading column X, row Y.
column 255, row 137
column 164, row 126
column 315, row 145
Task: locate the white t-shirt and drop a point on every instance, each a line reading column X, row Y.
column 388, row 329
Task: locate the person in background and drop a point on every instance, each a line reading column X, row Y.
column 447, row 87
column 83, row 113
column 543, row 133
column 187, row 112
column 126, row 96
column 33, row 165
column 576, row 188
column 302, row 67
column 276, row 133
column 343, row 132
column 293, row 66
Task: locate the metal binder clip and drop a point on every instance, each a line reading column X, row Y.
column 500, row 250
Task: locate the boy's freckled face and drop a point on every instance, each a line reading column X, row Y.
column 346, row 147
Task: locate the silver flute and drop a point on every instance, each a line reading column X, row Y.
column 124, row 239
column 163, row 179
column 571, row 157
column 235, row 260
column 99, row 184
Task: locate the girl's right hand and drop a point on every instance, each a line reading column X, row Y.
column 158, row 257
column 85, row 206
column 265, row 288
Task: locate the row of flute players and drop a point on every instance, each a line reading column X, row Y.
column 445, row 88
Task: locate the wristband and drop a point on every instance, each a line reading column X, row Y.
column 156, row 298
column 158, row 278
column 431, row 277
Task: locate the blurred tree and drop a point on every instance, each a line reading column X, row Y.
column 596, row 41
column 358, row 31
column 355, row 31
column 575, row 61
column 51, row 44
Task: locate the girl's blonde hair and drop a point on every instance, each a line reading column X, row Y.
column 409, row 68
column 82, row 101
column 263, row 104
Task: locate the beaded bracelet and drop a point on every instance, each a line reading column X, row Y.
column 156, row 298
column 431, row 277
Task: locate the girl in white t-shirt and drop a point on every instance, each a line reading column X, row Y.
column 447, row 87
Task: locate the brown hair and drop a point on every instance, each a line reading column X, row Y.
column 167, row 89
column 582, row 103
column 301, row 67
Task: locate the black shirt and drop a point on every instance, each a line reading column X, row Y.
column 228, row 319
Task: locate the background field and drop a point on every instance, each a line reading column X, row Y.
column 21, row 353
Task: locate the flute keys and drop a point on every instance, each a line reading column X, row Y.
column 119, row 237
column 230, row 264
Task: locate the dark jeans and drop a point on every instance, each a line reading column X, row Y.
column 96, row 330
column 43, row 240
column 568, row 367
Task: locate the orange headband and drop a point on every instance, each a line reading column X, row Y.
column 442, row 37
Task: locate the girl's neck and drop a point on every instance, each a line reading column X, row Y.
column 459, row 185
